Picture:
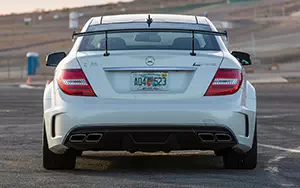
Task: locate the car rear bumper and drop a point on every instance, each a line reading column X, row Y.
column 149, row 138
column 210, row 114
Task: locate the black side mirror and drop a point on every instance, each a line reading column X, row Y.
column 53, row 59
column 242, row 57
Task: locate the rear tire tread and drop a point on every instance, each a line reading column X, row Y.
column 53, row 161
column 234, row 160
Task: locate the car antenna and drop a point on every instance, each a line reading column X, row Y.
column 149, row 20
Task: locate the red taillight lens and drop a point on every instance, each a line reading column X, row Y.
column 74, row 82
column 225, row 82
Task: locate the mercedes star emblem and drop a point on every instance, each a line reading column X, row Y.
column 150, row 60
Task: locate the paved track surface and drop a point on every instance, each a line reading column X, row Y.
column 279, row 152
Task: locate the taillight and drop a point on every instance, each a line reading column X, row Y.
column 225, row 82
column 74, row 82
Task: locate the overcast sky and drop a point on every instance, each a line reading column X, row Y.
column 8, row 6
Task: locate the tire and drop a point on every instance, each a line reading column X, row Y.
column 219, row 152
column 78, row 153
column 234, row 160
column 53, row 161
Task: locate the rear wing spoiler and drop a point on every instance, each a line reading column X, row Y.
column 192, row 31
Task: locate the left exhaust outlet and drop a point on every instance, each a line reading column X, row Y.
column 78, row 138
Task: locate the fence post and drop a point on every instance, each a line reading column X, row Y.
column 283, row 10
column 8, row 69
column 22, row 70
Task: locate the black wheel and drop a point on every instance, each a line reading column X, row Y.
column 219, row 152
column 78, row 153
column 53, row 161
column 234, row 160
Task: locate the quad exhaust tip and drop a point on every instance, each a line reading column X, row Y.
column 221, row 137
column 206, row 137
column 93, row 138
column 90, row 138
column 77, row 138
column 218, row 137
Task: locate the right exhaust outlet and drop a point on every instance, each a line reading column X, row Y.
column 93, row 137
column 222, row 137
column 206, row 137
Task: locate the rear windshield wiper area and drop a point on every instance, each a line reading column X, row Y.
column 184, row 39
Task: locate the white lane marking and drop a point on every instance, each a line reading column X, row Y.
column 280, row 148
column 26, row 86
column 278, row 79
column 274, row 116
column 268, row 117
column 273, row 163
column 7, row 111
column 293, row 128
column 276, row 159
column 288, row 185
column 272, row 169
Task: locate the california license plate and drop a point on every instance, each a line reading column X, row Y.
column 149, row 81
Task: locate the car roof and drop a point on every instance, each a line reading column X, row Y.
column 157, row 18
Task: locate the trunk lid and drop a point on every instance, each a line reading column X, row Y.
column 117, row 76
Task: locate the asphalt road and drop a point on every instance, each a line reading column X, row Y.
column 279, row 151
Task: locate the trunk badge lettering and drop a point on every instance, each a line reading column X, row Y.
column 197, row 64
column 94, row 64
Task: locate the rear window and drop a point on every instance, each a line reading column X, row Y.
column 147, row 40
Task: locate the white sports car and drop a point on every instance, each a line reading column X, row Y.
column 149, row 83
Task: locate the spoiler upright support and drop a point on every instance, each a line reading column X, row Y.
column 106, row 45
column 193, row 44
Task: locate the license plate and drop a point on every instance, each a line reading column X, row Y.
column 149, row 81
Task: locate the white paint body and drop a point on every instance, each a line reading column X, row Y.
column 116, row 105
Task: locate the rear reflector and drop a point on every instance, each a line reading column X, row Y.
column 225, row 82
column 74, row 82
